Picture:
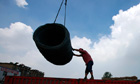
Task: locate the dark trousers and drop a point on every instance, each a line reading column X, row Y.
column 89, row 67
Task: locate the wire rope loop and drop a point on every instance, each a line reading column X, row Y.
column 59, row 11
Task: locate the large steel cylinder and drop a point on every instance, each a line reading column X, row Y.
column 53, row 41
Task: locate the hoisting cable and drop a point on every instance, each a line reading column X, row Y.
column 65, row 12
column 59, row 11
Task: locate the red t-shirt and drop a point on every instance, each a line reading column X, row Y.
column 85, row 55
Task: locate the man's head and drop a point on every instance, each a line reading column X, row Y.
column 80, row 48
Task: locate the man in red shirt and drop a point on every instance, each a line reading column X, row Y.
column 88, row 61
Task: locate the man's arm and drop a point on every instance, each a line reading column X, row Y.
column 77, row 55
column 75, row 49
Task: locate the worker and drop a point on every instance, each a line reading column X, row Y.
column 88, row 61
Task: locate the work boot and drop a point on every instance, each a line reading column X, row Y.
column 85, row 78
column 92, row 78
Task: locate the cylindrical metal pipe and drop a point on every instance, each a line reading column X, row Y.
column 53, row 41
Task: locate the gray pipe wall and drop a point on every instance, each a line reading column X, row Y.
column 53, row 41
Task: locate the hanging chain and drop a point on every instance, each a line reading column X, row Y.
column 59, row 11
